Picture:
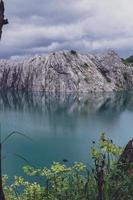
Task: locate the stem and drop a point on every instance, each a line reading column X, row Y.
column 2, row 197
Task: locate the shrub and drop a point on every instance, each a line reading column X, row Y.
column 103, row 181
column 73, row 52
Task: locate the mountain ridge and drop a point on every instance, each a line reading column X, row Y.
column 67, row 71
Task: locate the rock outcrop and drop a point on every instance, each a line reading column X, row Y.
column 126, row 159
column 67, row 71
column 127, row 155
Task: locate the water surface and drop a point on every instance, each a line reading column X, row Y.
column 61, row 126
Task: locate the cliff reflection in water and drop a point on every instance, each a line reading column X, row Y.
column 82, row 103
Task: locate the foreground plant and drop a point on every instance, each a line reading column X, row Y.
column 2, row 142
column 104, row 181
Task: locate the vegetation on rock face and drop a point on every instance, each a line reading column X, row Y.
column 73, row 52
column 128, row 61
column 103, row 181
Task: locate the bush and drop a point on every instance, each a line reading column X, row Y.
column 103, row 181
column 73, row 52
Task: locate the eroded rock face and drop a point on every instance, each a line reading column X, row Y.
column 67, row 72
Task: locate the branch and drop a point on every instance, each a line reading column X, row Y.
column 3, row 20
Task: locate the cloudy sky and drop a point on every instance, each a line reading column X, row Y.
column 42, row 26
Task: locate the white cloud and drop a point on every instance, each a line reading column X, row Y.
column 48, row 25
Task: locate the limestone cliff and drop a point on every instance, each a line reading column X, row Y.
column 67, row 71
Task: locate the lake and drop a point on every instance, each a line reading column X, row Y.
column 62, row 126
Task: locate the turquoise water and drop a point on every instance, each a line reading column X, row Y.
column 62, row 126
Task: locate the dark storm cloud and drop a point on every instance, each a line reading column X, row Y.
column 42, row 26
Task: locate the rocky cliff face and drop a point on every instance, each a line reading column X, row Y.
column 67, row 71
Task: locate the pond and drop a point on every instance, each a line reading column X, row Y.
column 62, row 126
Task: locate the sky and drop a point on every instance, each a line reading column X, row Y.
column 44, row 26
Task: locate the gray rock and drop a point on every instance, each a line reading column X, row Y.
column 66, row 71
column 126, row 159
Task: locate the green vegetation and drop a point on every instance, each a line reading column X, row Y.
column 73, row 52
column 128, row 61
column 105, row 180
